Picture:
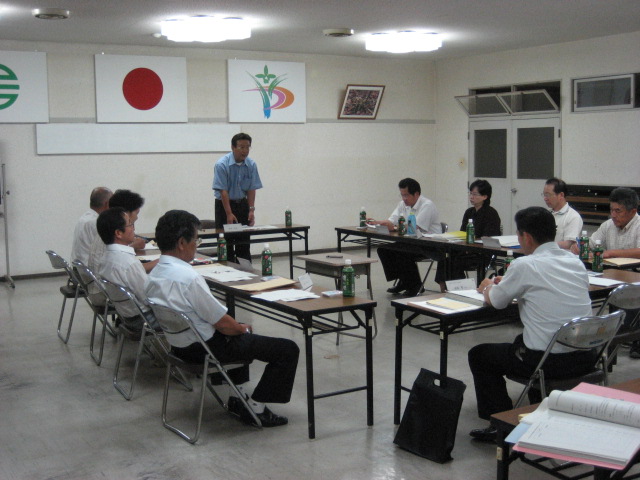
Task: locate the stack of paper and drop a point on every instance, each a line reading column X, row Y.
column 589, row 428
column 289, row 295
column 621, row 262
column 446, row 305
column 222, row 273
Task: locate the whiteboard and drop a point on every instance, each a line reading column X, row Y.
column 86, row 138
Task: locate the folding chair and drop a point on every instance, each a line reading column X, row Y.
column 625, row 297
column 583, row 333
column 431, row 261
column 100, row 312
column 71, row 290
column 125, row 302
column 174, row 322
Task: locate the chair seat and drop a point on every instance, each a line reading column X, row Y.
column 197, row 367
column 594, row 377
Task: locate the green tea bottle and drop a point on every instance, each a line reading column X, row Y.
column 348, row 279
column 287, row 217
column 596, row 263
column 471, row 232
column 267, row 266
column 222, row 248
column 363, row 217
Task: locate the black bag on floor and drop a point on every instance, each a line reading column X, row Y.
column 429, row 422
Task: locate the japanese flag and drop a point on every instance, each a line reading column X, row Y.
column 23, row 87
column 141, row 89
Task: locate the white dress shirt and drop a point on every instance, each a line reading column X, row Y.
column 568, row 224
column 425, row 212
column 551, row 286
column 614, row 238
column 120, row 265
column 83, row 236
column 174, row 283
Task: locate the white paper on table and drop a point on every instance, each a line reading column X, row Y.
column 437, row 308
column 288, row 295
column 603, row 282
column 223, row 273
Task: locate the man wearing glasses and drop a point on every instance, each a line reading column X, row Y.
column 620, row 236
column 235, row 181
column 120, row 265
column 568, row 221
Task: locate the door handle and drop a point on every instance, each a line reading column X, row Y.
column 514, row 190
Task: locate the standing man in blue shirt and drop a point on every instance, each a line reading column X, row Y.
column 235, row 181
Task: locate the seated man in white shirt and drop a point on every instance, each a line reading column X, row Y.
column 85, row 231
column 120, row 265
column 175, row 284
column 132, row 203
column 568, row 221
column 552, row 287
column 398, row 259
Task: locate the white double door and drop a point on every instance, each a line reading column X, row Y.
column 516, row 156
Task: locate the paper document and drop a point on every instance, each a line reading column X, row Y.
column 603, row 282
column 289, row 295
column 268, row 285
column 621, row 261
column 446, row 305
column 470, row 294
column 223, row 273
column 458, row 236
column 591, row 428
column 507, row 240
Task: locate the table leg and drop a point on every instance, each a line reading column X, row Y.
column 502, row 457
column 290, row 237
column 397, row 387
column 339, row 243
column 369, row 362
column 308, row 337
column 230, row 300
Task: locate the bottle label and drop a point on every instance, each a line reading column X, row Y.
column 596, row 264
column 287, row 218
column 348, row 282
column 471, row 233
column 584, row 248
column 402, row 227
column 363, row 218
column 266, row 264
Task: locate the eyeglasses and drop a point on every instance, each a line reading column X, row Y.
column 548, row 195
column 618, row 210
column 198, row 242
column 474, row 194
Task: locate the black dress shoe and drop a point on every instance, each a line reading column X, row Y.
column 235, row 407
column 270, row 419
column 397, row 288
column 412, row 291
column 267, row 418
column 488, row 434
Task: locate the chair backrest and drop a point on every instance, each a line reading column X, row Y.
column 444, row 226
column 590, row 332
column 625, row 297
column 88, row 279
column 60, row 263
column 173, row 322
column 120, row 296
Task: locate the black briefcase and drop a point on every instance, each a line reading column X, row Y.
column 428, row 426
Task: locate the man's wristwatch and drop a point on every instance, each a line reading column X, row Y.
column 251, row 209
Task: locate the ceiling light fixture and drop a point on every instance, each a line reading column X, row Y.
column 204, row 28
column 403, row 42
column 337, row 32
column 51, row 13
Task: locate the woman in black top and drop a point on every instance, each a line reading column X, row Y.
column 486, row 222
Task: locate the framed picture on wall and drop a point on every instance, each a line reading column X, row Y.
column 361, row 102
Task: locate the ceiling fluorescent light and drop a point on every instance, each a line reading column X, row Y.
column 403, row 42
column 204, row 28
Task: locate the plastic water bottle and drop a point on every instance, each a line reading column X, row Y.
column 222, row 248
column 267, row 265
column 508, row 259
column 402, row 226
column 471, row 232
column 348, row 279
column 287, row 217
column 584, row 246
column 411, row 225
column 363, row 217
column 596, row 263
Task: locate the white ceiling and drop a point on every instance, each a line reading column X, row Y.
column 470, row 27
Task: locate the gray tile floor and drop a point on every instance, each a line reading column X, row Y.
column 61, row 418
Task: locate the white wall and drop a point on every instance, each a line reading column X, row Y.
column 325, row 170
column 597, row 148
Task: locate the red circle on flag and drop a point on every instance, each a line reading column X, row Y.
column 142, row 88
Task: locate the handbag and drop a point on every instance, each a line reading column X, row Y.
column 430, row 419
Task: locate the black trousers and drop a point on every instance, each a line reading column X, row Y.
column 489, row 362
column 240, row 209
column 280, row 355
column 399, row 263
